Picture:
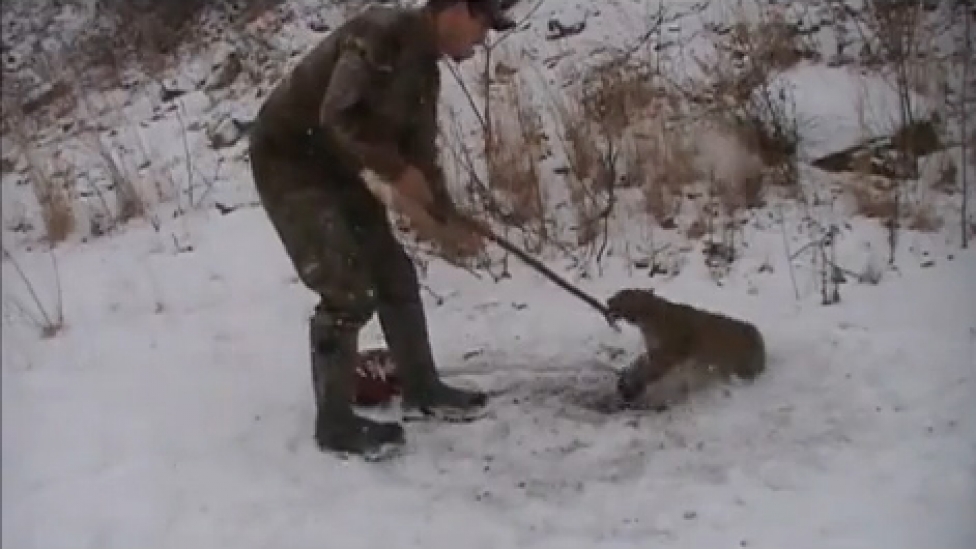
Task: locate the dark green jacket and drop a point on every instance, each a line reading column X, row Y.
column 369, row 93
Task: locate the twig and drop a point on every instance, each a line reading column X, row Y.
column 964, row 172
column 623, row 55
column 789, row 257
column 518, row 24
column 50, row 326
column 187, row 156
column 467, row 95
column 611, row 202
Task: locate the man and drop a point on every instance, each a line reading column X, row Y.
column 353, row 129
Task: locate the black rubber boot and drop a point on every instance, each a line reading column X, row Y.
column 424, row 394
column 337, row 427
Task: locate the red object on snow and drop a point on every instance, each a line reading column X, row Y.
column 376, row 378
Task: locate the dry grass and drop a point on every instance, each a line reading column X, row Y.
column 589, row 177
column 767, row 43
column 48, row 322
column 740, row 92
column 667, row 141
column 628, row 131
column 666, row 162
column 57, row 211
column 734, row 170
column 698, row 228
column 50, row 182
column 878, row 198
column 118, row 196
column 513, row 148
column 148, row 37
column 613, row 92
column 923, row 217
column 874, row 201
column 129, row 204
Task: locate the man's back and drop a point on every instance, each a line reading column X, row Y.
column 399, row 48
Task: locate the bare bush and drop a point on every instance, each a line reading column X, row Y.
column 50, row 182
column 741, row 90
column 627, row 133
column 873, row 199
column 590, row 171
column 513, row 149
column 122, row 181
column 967, row 54
column 896, row 31
column 876, row 198
column 57, row 211
column 148, row 34
column 48, row 322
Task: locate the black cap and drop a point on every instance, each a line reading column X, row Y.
column 498, row 20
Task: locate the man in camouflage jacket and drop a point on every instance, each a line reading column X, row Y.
column 349, row 132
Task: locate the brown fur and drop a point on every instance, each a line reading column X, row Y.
column 704, row 344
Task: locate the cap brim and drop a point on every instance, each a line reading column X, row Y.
column 501, row 22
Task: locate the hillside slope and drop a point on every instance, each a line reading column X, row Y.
column 155, row 377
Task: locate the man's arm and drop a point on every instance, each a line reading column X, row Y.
column 349, row 82
column 419, row 147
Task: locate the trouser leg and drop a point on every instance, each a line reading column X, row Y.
column 404, row 324
column 334, row 352
column 329, row 259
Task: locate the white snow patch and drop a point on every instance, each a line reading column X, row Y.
column 176, row 408
column 838, row 107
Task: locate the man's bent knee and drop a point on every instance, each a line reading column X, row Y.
column 344, row 308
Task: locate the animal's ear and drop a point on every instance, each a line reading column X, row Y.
column 620, row 296
column 623, row 303
column 613, row 303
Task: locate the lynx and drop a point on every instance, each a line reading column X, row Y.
column 687, row 347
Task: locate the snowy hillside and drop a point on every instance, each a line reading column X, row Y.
column 155, row 377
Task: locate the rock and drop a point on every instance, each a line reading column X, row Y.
column 227, row 131
column 839, row 60
column 224, row 71
column 718, row 253
column 168, row 94
column 504, row 72
column 567, row 21
column 557, row 29
column 44, row 95
column 224, row 209
column 318, row 24
column 878, row 156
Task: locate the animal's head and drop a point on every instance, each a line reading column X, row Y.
column 632, row 304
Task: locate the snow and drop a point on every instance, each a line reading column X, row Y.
column 840, row 107
column 174, row 409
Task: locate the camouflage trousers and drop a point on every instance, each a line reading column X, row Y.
column 337, row 235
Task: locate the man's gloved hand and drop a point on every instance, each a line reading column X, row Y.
column 452, row 235
column 411, row 196
column 413, row 185
column 460, row 239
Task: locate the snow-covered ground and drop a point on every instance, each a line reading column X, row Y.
column 175, row 411
column 174, row 407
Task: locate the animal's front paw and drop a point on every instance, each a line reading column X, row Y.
column 630, row 386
